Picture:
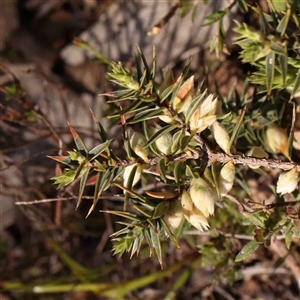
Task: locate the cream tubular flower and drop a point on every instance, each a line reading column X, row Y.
column 193, row 215
column 277, row 139
column 174, row 215
column 198, row 125
column 203, row 196
column 198, row 220
column 287, row 182
column 208, row 106
column 221, row 136
column 205, row 114
column 184, row 96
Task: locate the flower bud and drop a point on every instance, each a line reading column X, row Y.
column 123, row 77
column 197, row 125
column 137, row 143
column 203, row 196
column 221, row 136
column 208, row 106
column 205, row 114
column 174, row 215
column 137, row 175
column 287, row 182
column 226, row 178
column 277, row 140
column 184, row 96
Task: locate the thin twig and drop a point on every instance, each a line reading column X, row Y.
column 229, row 235
column 253, row 161
column 223, row 293
column 243, row 207
column 261, row 270
column 245, row 160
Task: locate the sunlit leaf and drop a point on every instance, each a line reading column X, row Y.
column 296, row 88
column 270, row 67
column 79, row 169
column 168, row 232
column 284, row 67
column 62, row 159
column 147, row 134
column 132, row 193
column 95, row 152
column 136, row 246
column 155, row 241
column 194, row 105
column 146, row 114
column 262, row 20
column 82, row 185
column 146, row 67
column 162, row 169
column 161, row 132
column 178, row 172
column 159, row 210
column 243, row 5
column 65, row 178
column 79, row 143
column 247, row 250
column 214, row 17
column 103, row 182
column 129, row 183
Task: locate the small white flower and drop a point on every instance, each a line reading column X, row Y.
column 287, row 182
column 226, row 178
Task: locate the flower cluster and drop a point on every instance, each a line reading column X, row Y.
column 198, row 202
